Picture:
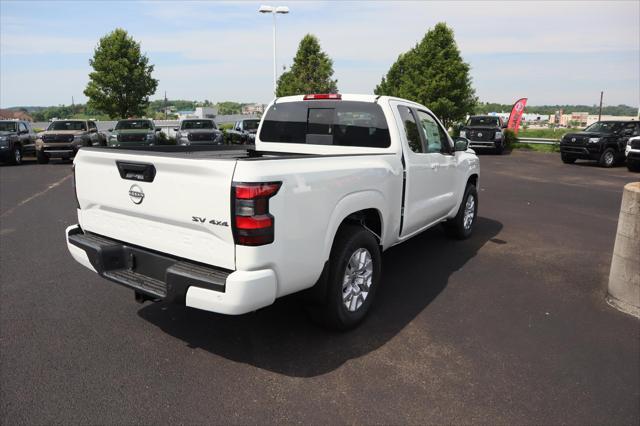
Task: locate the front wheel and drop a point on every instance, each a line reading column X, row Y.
column 355, row 267
column 567, row 160
column 16, row 155
column 633, row 166
column 461, row 226
column 608, row 158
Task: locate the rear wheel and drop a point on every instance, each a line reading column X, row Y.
column 16, row 155
column 42, row 157
column 567, row 159
column 354, row 274
column 499, row 149
column 461, row 226
column 608, row 158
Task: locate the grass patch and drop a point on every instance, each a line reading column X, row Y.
column 545, row 133
column 536, row 147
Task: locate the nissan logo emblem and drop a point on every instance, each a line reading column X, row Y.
column 136, row 194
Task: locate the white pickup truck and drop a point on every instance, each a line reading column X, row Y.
column 333, row 181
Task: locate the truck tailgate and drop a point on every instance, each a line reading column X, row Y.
column 183, row 211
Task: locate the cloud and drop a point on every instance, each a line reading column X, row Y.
column 223, row 50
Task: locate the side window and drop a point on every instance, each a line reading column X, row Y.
column 92, row 126
column 410, row 129
column 22, row 127
column 436, row 139
column 636, row 132
column 631, row 128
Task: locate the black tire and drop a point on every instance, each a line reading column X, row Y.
column 567, row 160
column 41, row 157
column 455, row 227
column 334, row 313
column 16, row 155
column 499, row 149
column 608, row 158
column 633, row 166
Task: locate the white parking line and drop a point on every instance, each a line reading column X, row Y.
column 36, row 195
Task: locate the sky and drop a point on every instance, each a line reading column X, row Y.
column 549, row 51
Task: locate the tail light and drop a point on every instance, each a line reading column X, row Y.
column 319, row 96
column 252, row 223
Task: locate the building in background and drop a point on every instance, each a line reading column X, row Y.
column 199, row 112
column 7, row 114
column 253, row 109
column 584, row 119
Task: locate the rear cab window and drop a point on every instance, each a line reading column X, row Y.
column 337, row 123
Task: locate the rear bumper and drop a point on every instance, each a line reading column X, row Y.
column 164, row 277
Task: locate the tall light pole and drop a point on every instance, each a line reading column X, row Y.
column 273, row 11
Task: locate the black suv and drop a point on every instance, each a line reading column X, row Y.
column 17, row 138
column 484, row 131
column 604, row 142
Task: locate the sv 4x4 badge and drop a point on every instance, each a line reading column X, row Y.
column 212, row 221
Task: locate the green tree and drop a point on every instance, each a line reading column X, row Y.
column 311, row 71
column 121, row 82
column 228, row 108
column 433, row 74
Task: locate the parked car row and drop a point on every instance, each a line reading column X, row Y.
column 607, row 142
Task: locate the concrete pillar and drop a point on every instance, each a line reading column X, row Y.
column 624, row 278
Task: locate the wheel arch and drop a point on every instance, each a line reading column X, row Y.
column 366, row 208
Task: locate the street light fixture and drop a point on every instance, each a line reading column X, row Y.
column 274, row 11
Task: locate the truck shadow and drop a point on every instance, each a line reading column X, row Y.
column 282, row 339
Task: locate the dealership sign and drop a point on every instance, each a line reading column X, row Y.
column 516, row 115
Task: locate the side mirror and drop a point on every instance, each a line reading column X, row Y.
column 461, row 144
column 175, row 129
column 627, row 132
column 504, row 126
column 110, row 130
column 158, row 129
column 23, row 132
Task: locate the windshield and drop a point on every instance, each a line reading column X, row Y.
column 251, row 124
column 7, row 126
column 67, row 125
column 483, row 121
column 134, row 124
column 344, row 123
column 198, row 124
column 604, row 127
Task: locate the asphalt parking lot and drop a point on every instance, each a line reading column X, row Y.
column 508, row 327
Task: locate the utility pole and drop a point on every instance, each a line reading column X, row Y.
column 165, row 104
column 600, row 112
column 73, row 107
column 274, row 10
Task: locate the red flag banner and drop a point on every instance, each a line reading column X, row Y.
column 516, row 115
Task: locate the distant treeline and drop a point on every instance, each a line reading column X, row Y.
column 486, row 107
column 156, row 109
